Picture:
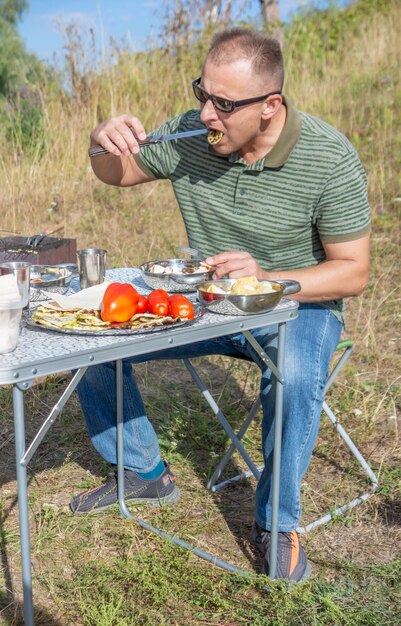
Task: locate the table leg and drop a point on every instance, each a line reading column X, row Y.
column 120, row 489
column 18, row 403
column 278, row 427
column 120, row 439
column 278, row 420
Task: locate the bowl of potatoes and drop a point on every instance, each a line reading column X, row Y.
column 244, row 296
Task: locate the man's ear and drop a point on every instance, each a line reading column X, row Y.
column 271, row 106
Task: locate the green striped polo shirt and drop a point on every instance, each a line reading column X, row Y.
column 310, row 188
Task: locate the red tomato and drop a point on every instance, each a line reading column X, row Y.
column 158, row 306
column 142, row 304
column 180, row 306
column 158, row 293
column 119, row 302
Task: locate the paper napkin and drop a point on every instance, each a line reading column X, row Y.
column 90, row 298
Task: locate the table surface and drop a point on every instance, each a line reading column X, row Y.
column 43, row 352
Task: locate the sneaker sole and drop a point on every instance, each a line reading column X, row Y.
column 172, row 497
column 291, row 584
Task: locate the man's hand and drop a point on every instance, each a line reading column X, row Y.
column 119, row 135
column 236, row 264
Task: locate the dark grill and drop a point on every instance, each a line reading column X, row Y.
column 50, row 250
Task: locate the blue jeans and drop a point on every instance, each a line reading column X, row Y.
column 310, row 342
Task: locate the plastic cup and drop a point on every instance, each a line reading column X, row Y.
column 91, row 266
column 21, row 271
column 10, row 313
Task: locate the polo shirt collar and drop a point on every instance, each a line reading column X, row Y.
column 289, row 136
column 283, row 147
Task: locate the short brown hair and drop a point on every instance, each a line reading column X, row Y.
column 263, row 51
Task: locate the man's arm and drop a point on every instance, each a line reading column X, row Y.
column 120, row 171
column 344, row 272
column 119, row 136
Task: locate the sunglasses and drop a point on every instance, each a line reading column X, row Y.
column 222, row 104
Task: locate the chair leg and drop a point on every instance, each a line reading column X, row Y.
column 365, row 466
column 236, row 442
column 346, row 346
column 226, row 458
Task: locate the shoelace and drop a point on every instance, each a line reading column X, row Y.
column 291, row 538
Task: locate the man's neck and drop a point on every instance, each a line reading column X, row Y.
column 266, row 141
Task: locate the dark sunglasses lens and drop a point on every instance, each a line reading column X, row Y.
column 200, row 95
column 219, row 103
column 222, row 104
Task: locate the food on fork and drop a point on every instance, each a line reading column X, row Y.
column 214, row 136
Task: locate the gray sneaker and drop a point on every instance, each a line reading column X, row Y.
column 160, row 490
column 292, row 563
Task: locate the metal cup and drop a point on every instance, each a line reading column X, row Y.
column 91, row 266
column 21, row 272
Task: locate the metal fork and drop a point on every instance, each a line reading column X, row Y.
column 152, row 140
column 95, row 151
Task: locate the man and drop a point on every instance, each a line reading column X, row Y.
column 281, row 195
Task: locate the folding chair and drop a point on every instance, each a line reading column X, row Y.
column 345, row 347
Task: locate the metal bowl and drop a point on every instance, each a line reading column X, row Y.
column 49, row 276
column 251, row 304
column 176, row 275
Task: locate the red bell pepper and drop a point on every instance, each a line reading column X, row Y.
column 120, row 302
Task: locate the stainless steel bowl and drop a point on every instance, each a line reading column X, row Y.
column 49, row 276
column 251, row 304
column 178, row 275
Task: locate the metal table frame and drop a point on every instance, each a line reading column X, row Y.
column 71, row 352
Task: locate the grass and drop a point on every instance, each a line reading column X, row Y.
column 106, row 571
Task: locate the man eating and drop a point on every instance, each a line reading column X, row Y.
column 270, row 192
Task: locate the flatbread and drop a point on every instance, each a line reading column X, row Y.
column 89, row 319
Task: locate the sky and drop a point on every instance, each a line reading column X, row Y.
column 136, row 21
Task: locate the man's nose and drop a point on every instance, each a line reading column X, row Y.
column 208, row 112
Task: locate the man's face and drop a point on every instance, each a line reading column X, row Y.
column 234, row 81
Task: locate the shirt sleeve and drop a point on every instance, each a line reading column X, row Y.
column 343, row 211
column 160, row 160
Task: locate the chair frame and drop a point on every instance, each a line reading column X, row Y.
column 346, row 347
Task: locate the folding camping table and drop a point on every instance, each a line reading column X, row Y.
column 44, row 352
